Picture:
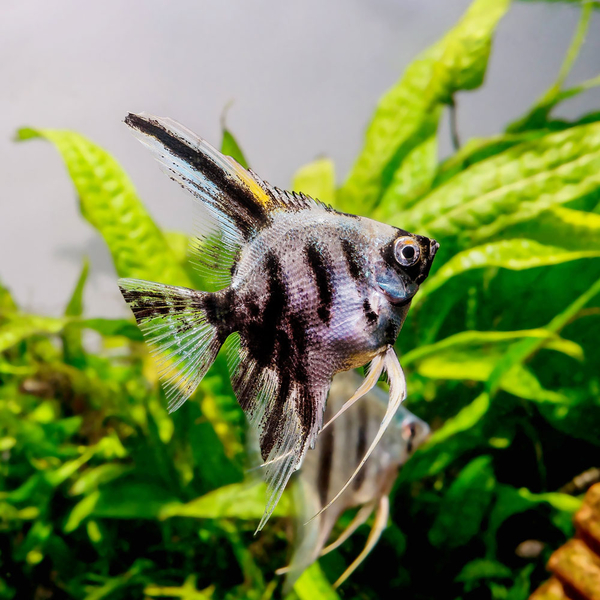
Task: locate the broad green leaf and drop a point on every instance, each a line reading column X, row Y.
column 316, row 179
column 313, row 585
column 408, row 114
column 473, row 356
column 511, row 187
column 525, row 348
column 515, row 254
column 411, row 180
column 238, row 500
column 230, row 147
column 573, row 230
column 110, row 203
column 478, row 149
column 478, row 341
column 464, row 505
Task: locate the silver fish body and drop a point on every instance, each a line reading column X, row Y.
column 307, row 292
column 338, row 450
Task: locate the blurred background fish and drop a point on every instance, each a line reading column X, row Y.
column 339, row 448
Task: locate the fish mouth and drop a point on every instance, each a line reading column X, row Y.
column 394, row 296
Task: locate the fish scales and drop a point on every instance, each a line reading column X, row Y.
column 307, row 292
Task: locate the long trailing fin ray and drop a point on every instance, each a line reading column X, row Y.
column 370, row 381
column 175, row 324
column 397, row 395
column 381, row 518
column 359, row 519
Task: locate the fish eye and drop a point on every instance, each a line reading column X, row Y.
column 409, row 432
column 407, row 251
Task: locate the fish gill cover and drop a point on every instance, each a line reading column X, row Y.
column 104, row 494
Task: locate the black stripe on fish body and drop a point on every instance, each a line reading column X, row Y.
column 353, row 259
column 249, row 212
column 361, row 443
column 262, row 332
column 326, row 444
column 370, row 315
column 275, row 338
column 322, row 271
column 218, row 309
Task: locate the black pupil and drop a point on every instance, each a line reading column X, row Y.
column 408, row 252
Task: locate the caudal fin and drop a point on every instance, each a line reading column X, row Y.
column 182, row 327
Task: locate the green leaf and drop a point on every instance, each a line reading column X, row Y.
column 524, row 349
column 511, row 187
column 313, row 585
column 482, row 341
column 473, row 355
column 110, row 203
column 7, row 304
column 238, row 500
column 411, row 180
column 511, row 501
column 91, row 479
column 187, row 591
column 515, row 254
column 408, row 114
column 112, row 327
column 538, row 115
column 72, row 344
column 317, row 180
column 478, row 149
column 75, row 305
column 21, row 326
column 124, row 498
column 573, row 230
column 464, row 505
column 483, row 568
column 230, row 147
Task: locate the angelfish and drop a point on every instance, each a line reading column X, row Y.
column 338, row 450
column 307, row 291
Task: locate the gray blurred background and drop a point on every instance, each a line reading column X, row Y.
column 304, row 78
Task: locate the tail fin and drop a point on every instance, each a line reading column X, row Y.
column 184, row 327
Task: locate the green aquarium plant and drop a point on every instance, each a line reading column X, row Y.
column 103, row 495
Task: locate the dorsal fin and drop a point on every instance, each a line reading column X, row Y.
column 235, row 202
